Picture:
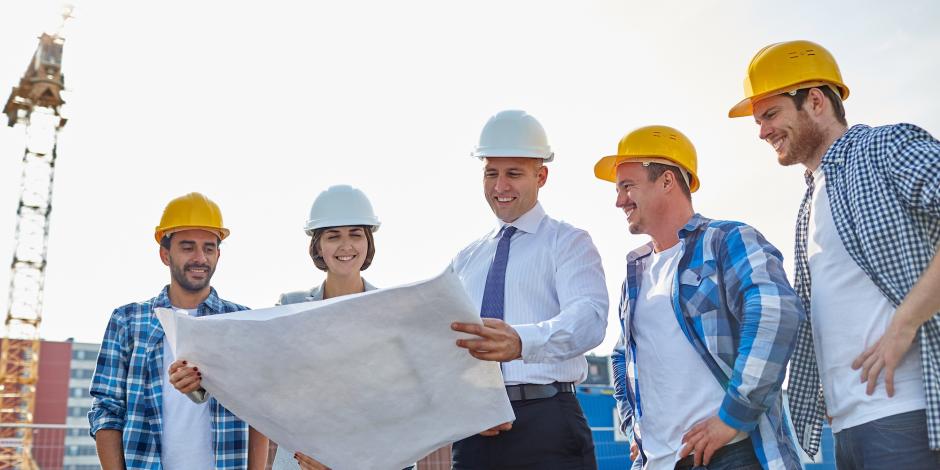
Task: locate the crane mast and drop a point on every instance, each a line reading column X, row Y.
column 35, row 104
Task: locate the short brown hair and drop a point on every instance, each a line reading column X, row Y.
column 315, row 248
column 799, row 97
column 655, row 170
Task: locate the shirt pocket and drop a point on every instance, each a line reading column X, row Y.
column 698, row 289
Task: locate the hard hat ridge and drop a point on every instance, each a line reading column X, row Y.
column 653, row 144
column 192, row 211
column 513, row 133
column 339, row 206
column 787, row 66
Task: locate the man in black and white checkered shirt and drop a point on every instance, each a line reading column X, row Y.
column 866, row 266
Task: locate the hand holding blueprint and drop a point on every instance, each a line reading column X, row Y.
column 366, row 381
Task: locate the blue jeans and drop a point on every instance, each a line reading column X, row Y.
column 891, row 443
column 737, row 456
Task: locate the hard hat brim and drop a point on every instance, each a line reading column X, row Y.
column 606, row 168
column 511, row 153
column 745, row 107
column 161, row 232
column 742, row 109
column 334, row 222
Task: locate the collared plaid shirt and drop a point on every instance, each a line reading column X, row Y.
column 127, row 387
column 734, row 304
column 884, row 191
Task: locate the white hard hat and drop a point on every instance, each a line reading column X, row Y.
column 513, row 133
column 340, row 206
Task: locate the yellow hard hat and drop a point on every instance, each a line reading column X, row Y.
column 787, row 66
column 192, row 211
column 653, row 144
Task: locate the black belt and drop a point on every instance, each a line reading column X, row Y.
column 536, row 391
column 689, row 461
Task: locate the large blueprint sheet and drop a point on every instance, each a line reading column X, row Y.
column 366, row 381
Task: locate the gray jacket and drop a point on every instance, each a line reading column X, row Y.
column 316, row 293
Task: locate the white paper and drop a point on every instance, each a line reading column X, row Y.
column 366, row 381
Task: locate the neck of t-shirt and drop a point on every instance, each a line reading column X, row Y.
column 189, row 311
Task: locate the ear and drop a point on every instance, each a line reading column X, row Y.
column 542, row 175
column 669, row 180
column 165, row 255
column 816, row 101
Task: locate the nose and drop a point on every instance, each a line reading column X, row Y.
column 502, row 184
column 200, row 257
column 765, row 130
column 622, row 199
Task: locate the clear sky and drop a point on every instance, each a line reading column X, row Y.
column 262, row 105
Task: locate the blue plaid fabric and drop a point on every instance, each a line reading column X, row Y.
column 736, row 308
column 127, row 387
column 884, row 191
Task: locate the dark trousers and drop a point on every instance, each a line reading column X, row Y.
column 737, row 456
column 891, row 443
column 548, row 434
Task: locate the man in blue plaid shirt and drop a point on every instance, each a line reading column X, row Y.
column 708, row 317
column 137, row 419
column 866, row 266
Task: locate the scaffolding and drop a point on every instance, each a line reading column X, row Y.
column 34, row 103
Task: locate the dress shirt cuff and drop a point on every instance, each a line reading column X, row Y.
column 737, row 415
column 532, row 342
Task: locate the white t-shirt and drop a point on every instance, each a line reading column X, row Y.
column 187, row 426
column 677, row 390
column 850, row 314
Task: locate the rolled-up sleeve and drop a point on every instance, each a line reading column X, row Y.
column 109, row 385
column 914, row 164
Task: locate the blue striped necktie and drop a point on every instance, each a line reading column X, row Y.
column 496, row 277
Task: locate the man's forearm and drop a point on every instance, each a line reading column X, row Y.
column 110, row 449
column 257, row 450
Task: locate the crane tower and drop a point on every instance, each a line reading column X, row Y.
column 34, row 103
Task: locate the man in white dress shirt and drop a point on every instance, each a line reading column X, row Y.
column 543, row 300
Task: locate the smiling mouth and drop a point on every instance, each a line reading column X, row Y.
column 777, row 144
column 504, row 199
column 346, row 257
column 629, row 210
column 198, row 270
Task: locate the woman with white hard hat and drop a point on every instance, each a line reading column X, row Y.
column 340, row 226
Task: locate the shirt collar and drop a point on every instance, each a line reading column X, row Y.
column 528, row 222
column 212, row 304
column 695, row 223
column 836, row 151
column 317, row 292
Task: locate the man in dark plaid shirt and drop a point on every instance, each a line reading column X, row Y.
column 137, row 420
column 866, row 267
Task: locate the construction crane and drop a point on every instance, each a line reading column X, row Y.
column 35, row 103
